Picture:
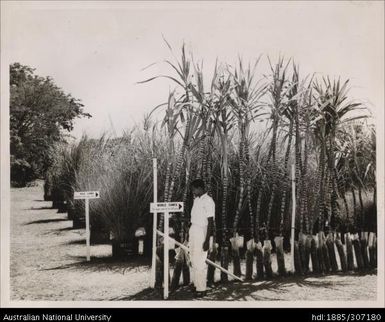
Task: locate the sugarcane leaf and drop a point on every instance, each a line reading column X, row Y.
column 197, row 95
column 350, row 119
column 180, row 133
column 176, row 69
column 161, row 76
column 182, row 118
column 148, row 66
column 156, row 107
column 367, row 169
column 168, row 45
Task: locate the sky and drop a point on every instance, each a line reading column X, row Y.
column 97, row 50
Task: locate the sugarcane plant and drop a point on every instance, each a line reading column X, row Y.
column 191, row 138
column 277, row 90
column 205, row 101
column 305, row 112
column 223, row 121
column 334, row 110
column 300, row 114
column 306, row 126
column 246, row 106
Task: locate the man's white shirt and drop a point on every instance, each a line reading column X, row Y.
column 203, row 208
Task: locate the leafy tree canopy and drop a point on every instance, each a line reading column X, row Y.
column 40, row 115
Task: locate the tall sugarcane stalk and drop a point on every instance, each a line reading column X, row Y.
column 209, row 171
column 190, row 128
column 279, row 239
column 321, row 207
column 170, row 120
column 278, row 93
column 181, row 155
column 223, row 124
column 250, row 245
column 214, row 250
column 286, row 167
column 298, row 99
column 360, row 243
column 304, row 205
column 306, row 110
column 234, row 239
column 332, row 191
column 206, row 105
column 224, row 173
column 258, row 246
column 181, row 265
column 262, row 173
column 245, row 104
column 273, row 169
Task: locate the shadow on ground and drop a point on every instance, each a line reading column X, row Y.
column 59, row 231
column 236, row 291
column 100, row 264
column 76, row 242
column 45, row 221
column 40, row 208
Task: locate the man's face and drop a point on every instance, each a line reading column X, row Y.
column 197, row 192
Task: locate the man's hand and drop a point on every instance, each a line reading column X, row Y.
column 206, row 245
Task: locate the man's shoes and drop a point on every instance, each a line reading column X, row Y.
column 200, row 294
column 210, row 284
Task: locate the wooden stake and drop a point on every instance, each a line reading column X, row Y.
column 154, row 226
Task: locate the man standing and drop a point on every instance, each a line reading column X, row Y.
column 201, row 229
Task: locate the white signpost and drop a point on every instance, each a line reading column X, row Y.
column 292, row 217
column 166, row 208
column 155, row 222
column 87, row 195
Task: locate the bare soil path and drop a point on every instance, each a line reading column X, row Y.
column 48, row 257
column 48, row 263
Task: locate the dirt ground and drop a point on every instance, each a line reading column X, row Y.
column 48, row 263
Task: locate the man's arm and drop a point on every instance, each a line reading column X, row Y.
column 210, row 226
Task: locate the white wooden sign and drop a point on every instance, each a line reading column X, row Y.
column 166, row 207
column 86, row 194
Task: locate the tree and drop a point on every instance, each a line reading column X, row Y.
column 40, row 114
